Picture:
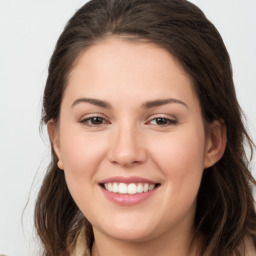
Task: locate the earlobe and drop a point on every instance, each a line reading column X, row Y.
column 54, row 137
column 60, row 165
column 216, row 143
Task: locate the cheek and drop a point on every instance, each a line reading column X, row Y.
column 81, row 156
column 80, row 153
column 181, row 155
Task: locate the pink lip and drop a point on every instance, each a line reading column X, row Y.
column 127, row 180
column 127, row 199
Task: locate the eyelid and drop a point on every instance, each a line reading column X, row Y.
column 171, row 119
column 86, row 118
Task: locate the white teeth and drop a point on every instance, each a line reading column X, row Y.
column 115, row 188
column 151, row 187
column 122, row 188
column 145, row 187
column 132, row 188
column 139, row 188
column 109, row 187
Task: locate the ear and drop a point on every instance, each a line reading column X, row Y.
column 215, row 143
column 54, row 137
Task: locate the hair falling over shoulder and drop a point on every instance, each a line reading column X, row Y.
column 225, row 215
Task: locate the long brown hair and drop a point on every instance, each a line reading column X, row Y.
column 225, row 214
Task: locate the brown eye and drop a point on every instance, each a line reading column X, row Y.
column 96, row 120
column 93, row 121
column 161, row 121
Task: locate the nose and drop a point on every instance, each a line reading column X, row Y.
column 126, row 147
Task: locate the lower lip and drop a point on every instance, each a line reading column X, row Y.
column 127, row 199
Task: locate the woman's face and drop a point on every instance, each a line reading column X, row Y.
column 131, row 141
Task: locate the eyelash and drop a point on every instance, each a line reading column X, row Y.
column 158, row 121
column 88, row 121
column 165, row 121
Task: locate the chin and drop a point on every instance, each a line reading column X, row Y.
column 131, row 234
column 130, row 231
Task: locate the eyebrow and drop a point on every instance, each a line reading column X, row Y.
column 146, row 105
column 158, row 103
column 96, row 102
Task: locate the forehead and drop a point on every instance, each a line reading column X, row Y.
column 115, row 64
column 125, row 51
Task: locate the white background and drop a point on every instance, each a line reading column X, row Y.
column 28, row 33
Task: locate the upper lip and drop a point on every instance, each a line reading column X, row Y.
column 127, row 180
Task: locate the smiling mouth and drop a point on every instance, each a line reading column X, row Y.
column 129, row 189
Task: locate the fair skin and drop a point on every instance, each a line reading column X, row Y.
column 130, row 115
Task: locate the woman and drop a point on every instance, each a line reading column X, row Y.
column 148, row 152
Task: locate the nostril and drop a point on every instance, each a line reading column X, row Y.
column 127, row 158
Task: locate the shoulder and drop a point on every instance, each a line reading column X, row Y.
column 247, row 248
column 250, row 250
column 81, row 248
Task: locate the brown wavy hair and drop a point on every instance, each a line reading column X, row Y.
column 225, row 214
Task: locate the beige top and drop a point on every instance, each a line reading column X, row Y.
column 82, row 250
column 250, row 250
column 81, row 247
